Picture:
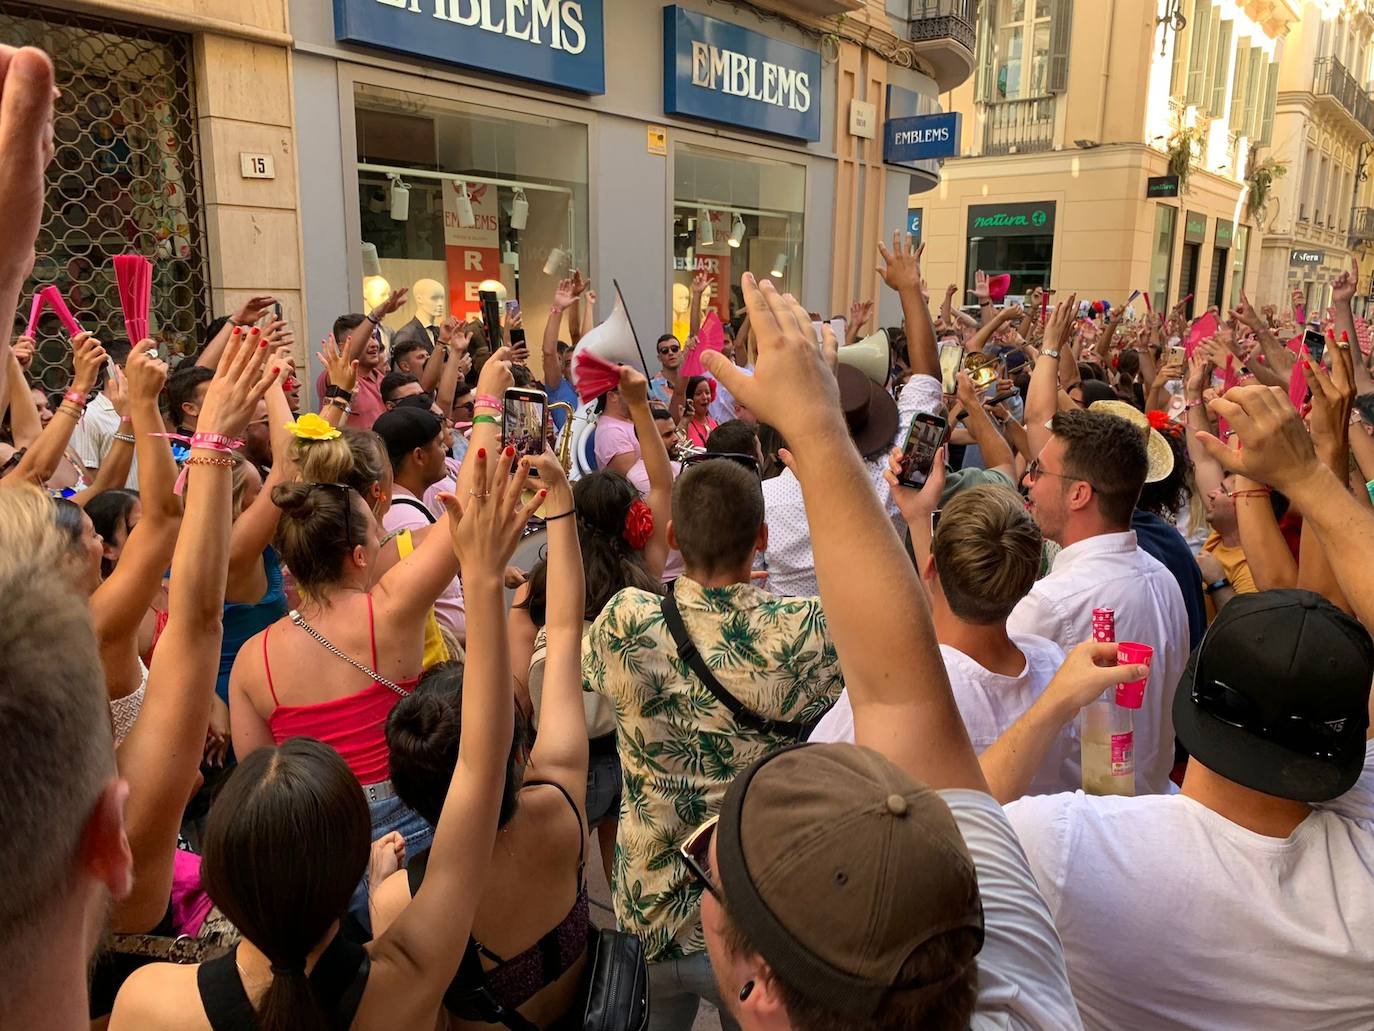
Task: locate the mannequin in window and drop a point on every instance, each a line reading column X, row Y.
column 376, row 290
column 431, row 304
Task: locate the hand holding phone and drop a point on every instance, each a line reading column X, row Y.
column 524, row 416
column 923, row 440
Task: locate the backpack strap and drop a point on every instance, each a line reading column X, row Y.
column 743, row 715
column 415, row 503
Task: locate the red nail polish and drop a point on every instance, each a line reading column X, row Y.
column 481, row 452
column 510, row 451
column 543, row 494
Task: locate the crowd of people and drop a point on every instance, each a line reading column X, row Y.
column 301, row 731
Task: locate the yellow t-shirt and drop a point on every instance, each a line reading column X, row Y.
column 1236, row 566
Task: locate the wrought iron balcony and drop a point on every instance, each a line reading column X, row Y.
column 1362, row 226
column 1332, row 80
column 1019, row 126
column 943, row 34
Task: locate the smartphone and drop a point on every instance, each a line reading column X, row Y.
column 995, row 401
column 951, row 358
column 925, row 437
column 512, row 309
column 1315, row 342
column 491, row 318
column 276, row 310
column 1178, row 355
column 523, row 419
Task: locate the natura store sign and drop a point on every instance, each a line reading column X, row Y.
column 1029, row 219
column 553, row 42
column 721, row 72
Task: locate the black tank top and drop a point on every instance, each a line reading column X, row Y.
column 339, row 977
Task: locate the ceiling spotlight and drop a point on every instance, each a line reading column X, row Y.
column 519, row 210
column 372, row 265
column 706, row 232
column 400, row 199
column 466, row 219
column 779, row 265
column 737, row 232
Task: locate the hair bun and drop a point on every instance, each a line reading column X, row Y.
column 294, row 499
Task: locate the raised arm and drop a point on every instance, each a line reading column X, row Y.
column 634, row 389
column 455, row 347
column 114, row 469
column 901, row 272
column 340, row 371
column 891, row 661
column 120, row 602
column 560, row 750
column 1279, row 359
column 1042, row 397
column 161, row 756
column 984, row 296
column 563, row 298
column 25, row 424
column 1332, row 399
column 979, row 340
column 362, row 332
column 40, row 461
column 994, row 447
column 416, row 957
column 1342, row 292
column 244, row 319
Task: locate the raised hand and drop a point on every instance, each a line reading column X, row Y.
column 241, row 381
column 448, row 329
column 460, row 341
column 146, row 374
column 26, row 147
column 278, row 334
column 980, row 287
column 391, row 305
column 634, row 388
column 700, row 282
column 916, row 505
column 87, row 358
column 116, row 391
column 902, row 265
column 253, row 310
column 23, row 349
column 791, row 388
column 486, row 529
column 496, row 377
column 341, row 372
column 1275, row 448
column 1197, row 376
column 565, row 294
column 1060, row 322
column 1343, row 287
column 1333, row 396
column 859, row 314
column 1089, row 670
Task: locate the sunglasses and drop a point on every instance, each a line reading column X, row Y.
column 696, row 854
column 738, row 457
column 1300, row 734
column 1036, row 469
column 345, row 491
column 670, row 349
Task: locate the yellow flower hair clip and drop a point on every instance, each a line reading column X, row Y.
column 311, row 427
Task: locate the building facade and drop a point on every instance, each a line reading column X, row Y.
column 1107, row 148
column 448, row 144
column 1322, row 211
column 174, row 139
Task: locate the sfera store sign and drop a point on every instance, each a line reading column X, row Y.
column 722, row 72
column 554, row 42
column 1035, row 218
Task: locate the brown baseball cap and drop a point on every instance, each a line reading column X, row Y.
column 837, row 866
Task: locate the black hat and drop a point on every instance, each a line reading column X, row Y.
column 1276, row 697
column 405, row 429
column 869, row 411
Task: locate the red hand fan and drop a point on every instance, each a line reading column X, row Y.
column 133, row 274
column 593, row 376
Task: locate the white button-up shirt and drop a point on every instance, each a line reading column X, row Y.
column 790, row 562
column 94, row 436
column 1109, row 571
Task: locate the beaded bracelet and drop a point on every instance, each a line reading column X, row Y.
column 223, row 463
column 127, row 438
column 488, row 401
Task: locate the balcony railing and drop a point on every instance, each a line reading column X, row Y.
column 944, row 19
column 1334, row 81
column 1362, row 226
column 1019, row 126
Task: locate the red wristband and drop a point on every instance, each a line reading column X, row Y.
column 76, row 397
column 215, row 442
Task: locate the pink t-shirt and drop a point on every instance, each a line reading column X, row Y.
column 367, row 403
column 405, row 515
column 614, row 437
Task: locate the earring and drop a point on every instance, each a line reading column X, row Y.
column 746, row 990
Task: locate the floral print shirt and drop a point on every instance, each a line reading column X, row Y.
column 679, row 747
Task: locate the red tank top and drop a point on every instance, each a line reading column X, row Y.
column 354, row 725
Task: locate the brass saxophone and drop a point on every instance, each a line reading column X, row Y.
column 564, row 448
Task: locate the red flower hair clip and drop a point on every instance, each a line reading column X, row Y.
column 639, row 524
column 1161, row 422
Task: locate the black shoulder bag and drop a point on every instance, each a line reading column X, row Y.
column 744, row 716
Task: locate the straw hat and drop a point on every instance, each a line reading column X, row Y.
column 1161, row 456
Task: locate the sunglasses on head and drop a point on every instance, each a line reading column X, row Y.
column 1301, row 734
column 696, row 856
column 738, row 457
column 344, row 491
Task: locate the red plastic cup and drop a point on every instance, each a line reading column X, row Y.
column 1131, row 693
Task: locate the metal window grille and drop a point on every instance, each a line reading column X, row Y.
column 125, row 179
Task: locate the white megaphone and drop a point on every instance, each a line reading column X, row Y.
column 872, row 356
column 602, row 350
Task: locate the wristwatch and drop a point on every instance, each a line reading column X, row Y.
column 333, row 390
column 1217, row 585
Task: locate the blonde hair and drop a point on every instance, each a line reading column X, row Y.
column 355, row 457
column 29, row 534
column 987, row 552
